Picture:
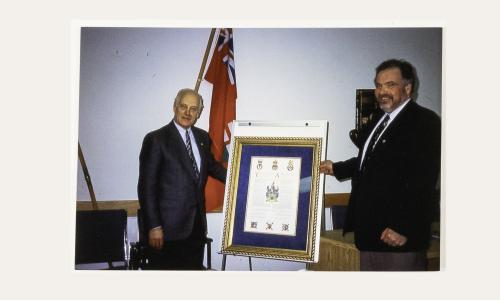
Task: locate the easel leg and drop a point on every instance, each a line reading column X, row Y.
column 223, row 262
column 209, row 256
column 223, row 268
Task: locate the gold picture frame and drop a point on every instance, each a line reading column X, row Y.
column 246, row 199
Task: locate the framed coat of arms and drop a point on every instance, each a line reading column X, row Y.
column 274, row 192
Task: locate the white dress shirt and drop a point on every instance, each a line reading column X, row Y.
column 194, row 145
column 392, row 115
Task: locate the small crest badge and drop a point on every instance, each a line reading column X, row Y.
column 259, row 165
column 253, row 224
column 285, row 227
column 275, row 165
column 269, row 226
column 290, row 166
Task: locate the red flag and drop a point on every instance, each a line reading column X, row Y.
column 221, row 74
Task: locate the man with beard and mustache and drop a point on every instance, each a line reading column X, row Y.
column 394, row 176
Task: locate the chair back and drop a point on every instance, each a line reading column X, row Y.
column 101, row 236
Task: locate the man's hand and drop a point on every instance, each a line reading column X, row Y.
column 326, row 167
column 392, row 238
column 156, row 238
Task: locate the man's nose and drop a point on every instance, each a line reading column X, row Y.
column 383, row 89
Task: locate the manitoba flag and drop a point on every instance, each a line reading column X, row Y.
column 221, row 74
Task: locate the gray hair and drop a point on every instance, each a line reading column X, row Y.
column 184, row 92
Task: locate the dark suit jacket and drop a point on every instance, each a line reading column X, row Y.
column 169, row 194
column 395, row 187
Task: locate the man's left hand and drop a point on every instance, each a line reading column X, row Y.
column 392, row 238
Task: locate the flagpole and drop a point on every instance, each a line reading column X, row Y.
column 87, row 177
column 205, row 58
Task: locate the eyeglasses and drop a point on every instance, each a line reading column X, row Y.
column 192, row 110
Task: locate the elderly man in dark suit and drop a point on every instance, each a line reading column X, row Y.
column 175, row 161
column 394, row 176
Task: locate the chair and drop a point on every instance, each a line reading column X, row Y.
column 101, row 236
column 139, row 250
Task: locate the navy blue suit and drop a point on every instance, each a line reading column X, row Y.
column 170, row 196
column 395, row 187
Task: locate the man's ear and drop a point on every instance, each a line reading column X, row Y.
column 408, row 89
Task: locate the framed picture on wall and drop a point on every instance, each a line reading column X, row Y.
column 366, row 110
column 273, row 198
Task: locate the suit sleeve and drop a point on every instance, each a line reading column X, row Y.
column 214, row 168
column 343, row 170
column 149, row 161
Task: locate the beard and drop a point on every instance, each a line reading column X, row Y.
column 385, row 102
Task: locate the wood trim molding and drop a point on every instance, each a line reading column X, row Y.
column 332, row 199
column 131, row 206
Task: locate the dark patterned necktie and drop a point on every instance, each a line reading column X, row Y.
column 191, row 155
column 377, row 133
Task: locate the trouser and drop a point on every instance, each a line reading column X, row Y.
column 392, row 261
column 185, row 254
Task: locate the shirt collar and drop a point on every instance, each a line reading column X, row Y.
column 182, row 130
column 398, row 109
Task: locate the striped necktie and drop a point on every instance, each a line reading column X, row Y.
column 191, row 155
column 377, row 133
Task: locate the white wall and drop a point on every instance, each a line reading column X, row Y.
column 129, row 77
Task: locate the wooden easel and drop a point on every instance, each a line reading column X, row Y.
column 87, row 178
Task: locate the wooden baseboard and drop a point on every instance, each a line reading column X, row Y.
column 131, row 206
column 332, row 199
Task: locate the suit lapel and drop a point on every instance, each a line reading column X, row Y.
column 392, row 131
column 399, row 121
